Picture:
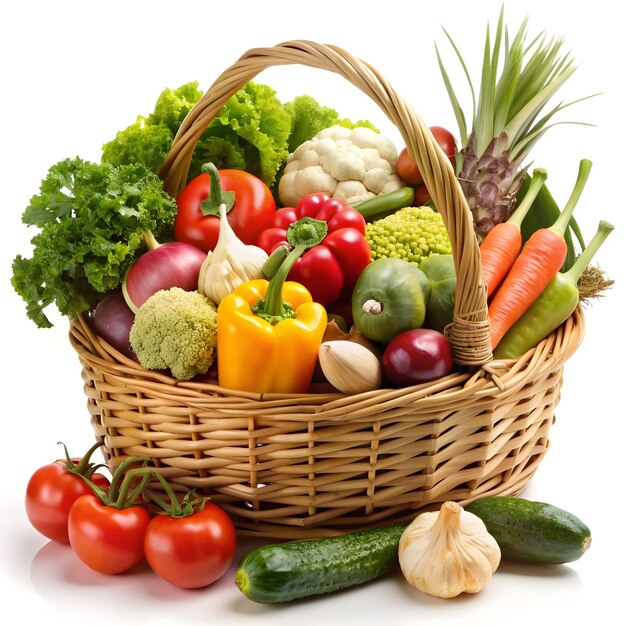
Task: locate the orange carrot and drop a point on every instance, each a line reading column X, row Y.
column 503, row 243
column 537, row 264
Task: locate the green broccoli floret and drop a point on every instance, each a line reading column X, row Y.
column 176, row 329
column 412, row 234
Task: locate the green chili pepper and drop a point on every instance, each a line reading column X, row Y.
column 555, row 304
column 542, row 214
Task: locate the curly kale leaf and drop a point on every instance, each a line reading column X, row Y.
column 91, row 219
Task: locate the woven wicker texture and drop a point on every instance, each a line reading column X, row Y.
column 315, row 464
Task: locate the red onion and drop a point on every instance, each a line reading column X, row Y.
column 172, row 264
column 112, row 320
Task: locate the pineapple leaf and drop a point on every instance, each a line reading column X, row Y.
column 515, row 128
column 458, row 111
column 456, row 106
column 507, row 85
column 510, row 97
column 483, row 121
column 517, row 81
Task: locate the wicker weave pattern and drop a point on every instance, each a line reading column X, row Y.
column 321, row 463
column 287, row 466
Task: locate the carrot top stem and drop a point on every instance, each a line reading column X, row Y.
column 536, row 183
column 562, row 221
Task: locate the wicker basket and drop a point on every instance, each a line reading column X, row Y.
column 322, row 463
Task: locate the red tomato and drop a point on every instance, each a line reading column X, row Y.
column 50, row 493
column 421, row 195
column 417, row 356
column 446, row 141
column 107, row 539
column 252, row 212
column 407, row 169
column 191, row 551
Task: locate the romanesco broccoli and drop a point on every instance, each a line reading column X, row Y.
column 176, row 329
column 412, row 234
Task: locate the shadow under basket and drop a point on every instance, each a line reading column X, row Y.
column 319, row 464
column 323, row 463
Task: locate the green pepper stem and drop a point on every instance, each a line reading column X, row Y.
column 582, row 262
column 536, row 183
column 563, row 220
column 302, row 235
column 274, row 296
column 274, row 261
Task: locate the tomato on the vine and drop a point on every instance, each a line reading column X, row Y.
column 53, row 489
column 407, row 169
column 193, row 550
column 107, row 539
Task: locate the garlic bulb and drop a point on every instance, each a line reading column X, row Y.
column 350, row 367
column 448, row 552
column 231, row 263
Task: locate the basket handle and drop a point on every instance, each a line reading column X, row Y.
column 469, row 332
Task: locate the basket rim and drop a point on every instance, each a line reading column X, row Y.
column 498, row 378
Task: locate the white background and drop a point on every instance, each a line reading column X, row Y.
column 73, row 73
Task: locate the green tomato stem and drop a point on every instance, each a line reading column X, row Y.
column 119, row 475
column 84, row 467
column 217, row 196
column 125, row 500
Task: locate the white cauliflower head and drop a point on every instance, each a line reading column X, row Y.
column 349, row 164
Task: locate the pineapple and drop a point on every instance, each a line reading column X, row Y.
column 518, row 79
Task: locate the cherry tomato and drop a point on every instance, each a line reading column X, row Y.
column 416, row 356
column 191, row 551
column 407, row 169
column 421, row 195
column 446, row 141
column 107, row 539
column 51, row 492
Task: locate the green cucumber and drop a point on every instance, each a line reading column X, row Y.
column 532, row 532
column 282, row 572
column 385, row 203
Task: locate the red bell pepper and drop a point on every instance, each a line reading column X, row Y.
column 329, row 270
column 251, row 208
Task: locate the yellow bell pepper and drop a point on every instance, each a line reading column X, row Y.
column 256, row 355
